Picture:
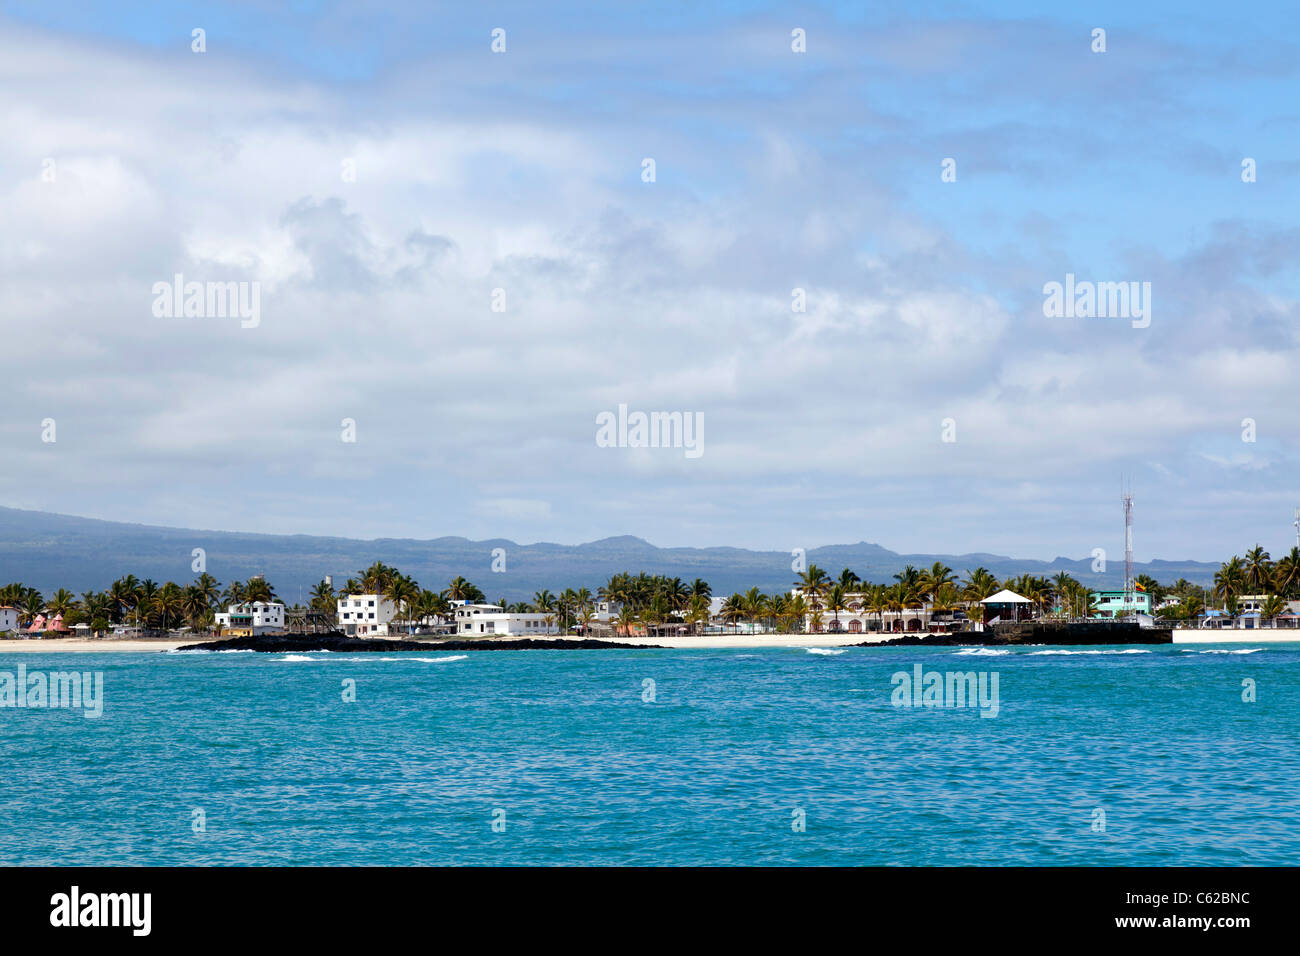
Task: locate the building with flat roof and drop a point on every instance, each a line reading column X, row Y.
column 366, row 615
column 1120, row 603
column 250, row 618
column 482, row 620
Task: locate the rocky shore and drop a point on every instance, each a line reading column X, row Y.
column 302, row 643
column 1087, row 633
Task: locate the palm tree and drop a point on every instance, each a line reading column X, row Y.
column 32, row 605
column 849, row 580
column 1259, row 570
column 796, row 609
column 754, row 603
column 147, row 596
column 911, row 588
column 168, row 603
column 627, row 619
column 1274, row 605
column 125, row 593
column 877, row 603
column 430, row 604
column 259, row 590
column 938, row 575
column 733, row 609
column 1150, row 586
column 194, row 604
column 401, row 591
column 813, row 583
column 980, row 584
column 236, row 593
column 1286, row 574
column 700, row 588
column 461, row 590
column 210, row 587
column 323, row 598
column 837, row 599
column 697, row 612
column 63, row 602
column 774, row 610
column 1230, row 580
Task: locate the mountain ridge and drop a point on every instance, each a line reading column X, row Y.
column 47, row 550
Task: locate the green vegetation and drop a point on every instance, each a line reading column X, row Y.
column 649, row 604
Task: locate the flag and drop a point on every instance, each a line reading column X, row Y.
column 1138, row 585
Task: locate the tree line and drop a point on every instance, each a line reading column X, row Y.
column 652, row 602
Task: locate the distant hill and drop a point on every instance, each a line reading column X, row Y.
column 49, row 551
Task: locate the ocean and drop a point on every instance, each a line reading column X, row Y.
column 1110, row 756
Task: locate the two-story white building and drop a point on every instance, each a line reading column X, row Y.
column 8, row 619
column 484, row 620
column 365, row 615
column 252, row 618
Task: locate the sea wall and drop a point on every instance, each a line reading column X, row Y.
column 1078, row 632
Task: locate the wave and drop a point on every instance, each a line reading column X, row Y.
column 203, row 650
column 1221, row 650
column 824, row 650
column 980, row 652
column 365, row 658
column 1127, row 650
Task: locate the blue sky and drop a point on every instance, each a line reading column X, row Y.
column 775, row 170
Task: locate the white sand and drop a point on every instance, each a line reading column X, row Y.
column 1234, row 635
column 83, row 645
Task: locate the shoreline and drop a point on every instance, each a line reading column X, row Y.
column 706, row 642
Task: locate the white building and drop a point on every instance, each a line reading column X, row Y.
column 365, row 615
column 252, row 617
column 8, row 619
column 481, row 620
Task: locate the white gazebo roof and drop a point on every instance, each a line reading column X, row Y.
column 1006, row 597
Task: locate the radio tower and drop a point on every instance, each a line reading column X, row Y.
column 1297, row 527
column 1127, row 498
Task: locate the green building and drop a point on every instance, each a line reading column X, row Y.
column 1120, row 603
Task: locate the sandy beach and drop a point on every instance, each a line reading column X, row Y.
column 82, row 645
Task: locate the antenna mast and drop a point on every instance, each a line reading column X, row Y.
column 1127, row 498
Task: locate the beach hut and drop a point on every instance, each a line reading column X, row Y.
column 56, row 624
column 1007, row 606
column 38, row 624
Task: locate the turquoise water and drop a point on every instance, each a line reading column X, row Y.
column 712, row 771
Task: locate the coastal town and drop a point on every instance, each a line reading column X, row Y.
column 1252, row 593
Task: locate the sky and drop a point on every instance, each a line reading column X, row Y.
column 460, row 252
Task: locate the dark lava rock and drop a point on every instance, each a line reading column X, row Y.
column 280, row 643
column 1057, row 633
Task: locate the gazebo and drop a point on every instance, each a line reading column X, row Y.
column 1007, row 606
